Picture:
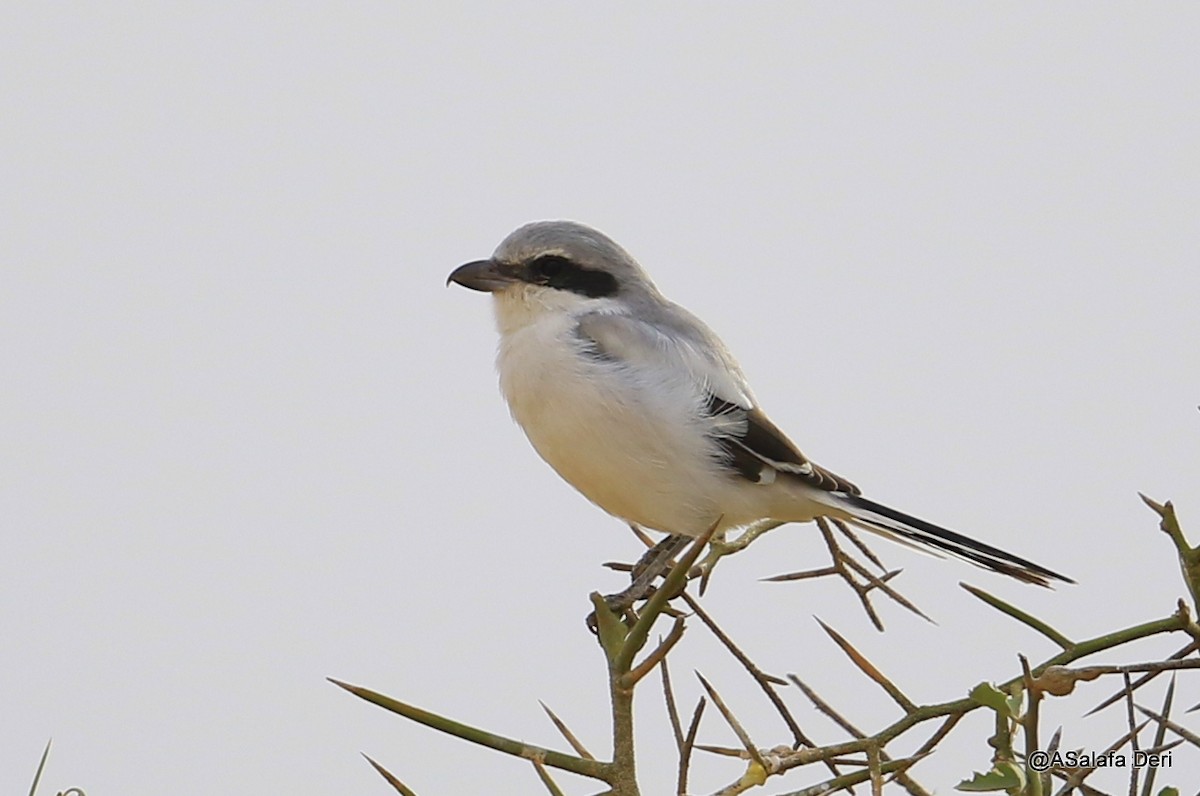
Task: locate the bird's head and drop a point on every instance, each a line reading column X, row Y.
column 555, row 266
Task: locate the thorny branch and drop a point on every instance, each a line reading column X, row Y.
column 862, row 757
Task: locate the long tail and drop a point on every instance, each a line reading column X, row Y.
column 877, row 518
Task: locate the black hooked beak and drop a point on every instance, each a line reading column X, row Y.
column 486, row 275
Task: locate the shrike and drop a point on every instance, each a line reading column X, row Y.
column 640, row 407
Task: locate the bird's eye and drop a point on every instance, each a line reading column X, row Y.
column 549, row 266
column 562, row 273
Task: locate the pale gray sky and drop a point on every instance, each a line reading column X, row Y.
column 250, row 440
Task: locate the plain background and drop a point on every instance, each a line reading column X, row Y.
column 248, row 438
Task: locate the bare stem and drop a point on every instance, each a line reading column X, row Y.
column 1021, row 616
column 577, row 765
column 1189, row 557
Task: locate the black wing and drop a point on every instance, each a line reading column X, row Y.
column 758, row 451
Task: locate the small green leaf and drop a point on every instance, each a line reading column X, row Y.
column 1004, row 776
column 989, row 696
column 1169, row 791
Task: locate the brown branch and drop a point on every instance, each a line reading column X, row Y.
column 881, row 582
column 1150, row 675
column 672, row 710
column 689, row 742
column 764, row 680
column 1074, row 777
column 859, row 543
column 1182, row 732
column 824, row 707
column 1160, row 734
column 849, row 570
column 633, row 676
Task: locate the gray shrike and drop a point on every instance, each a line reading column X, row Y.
column 640, row 407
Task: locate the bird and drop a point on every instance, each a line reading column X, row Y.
column 640, row 407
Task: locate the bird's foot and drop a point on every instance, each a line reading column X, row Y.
column 653, row 564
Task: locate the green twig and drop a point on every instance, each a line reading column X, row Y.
column 1030, row 723
column 960, row 707
column 1189, row 557
column 577, row 765
column 1021, row 616
column 675, row 580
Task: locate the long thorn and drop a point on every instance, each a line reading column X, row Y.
column 1182, row 732
column 869, row 669
column 566, row 733
column 634, row 675
column 823, row 706
column 396, row 784
column 1160, row 735
column 734, row 724
column 545, row 777
column 578, row 765
column 1021, row 616
column 1138, row 683
column 37, row 775
column 672, row 710
column 689, row 742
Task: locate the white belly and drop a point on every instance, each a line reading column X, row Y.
column 612, row 439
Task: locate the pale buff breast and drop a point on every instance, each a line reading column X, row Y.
column 607, row 440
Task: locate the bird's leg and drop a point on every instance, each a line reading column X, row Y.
column 653, row 563
column 657, row 560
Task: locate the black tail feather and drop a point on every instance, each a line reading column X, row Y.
column 891, row 521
